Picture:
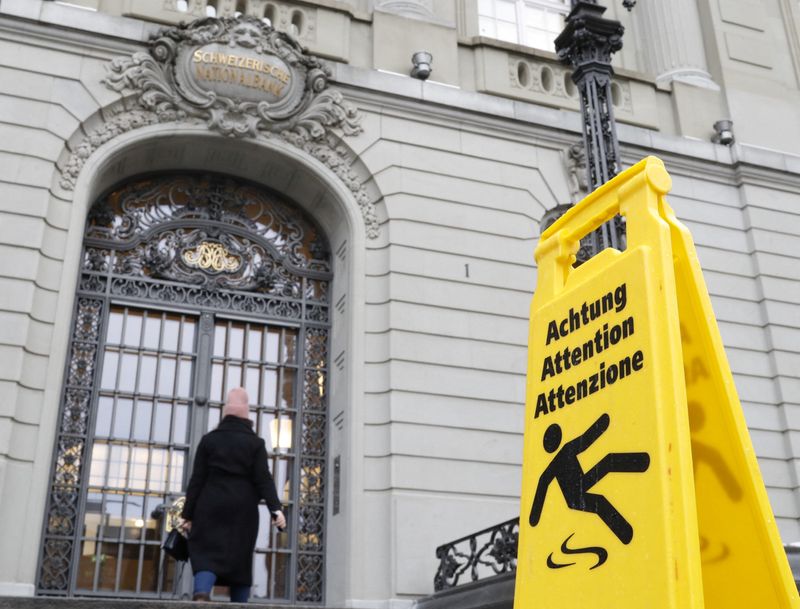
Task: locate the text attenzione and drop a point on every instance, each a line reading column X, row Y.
column 569, row 357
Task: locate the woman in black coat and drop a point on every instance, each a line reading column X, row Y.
column 230, row 477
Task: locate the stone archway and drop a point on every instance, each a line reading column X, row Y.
column 282, row 168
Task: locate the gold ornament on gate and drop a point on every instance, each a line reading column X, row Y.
column 211, row 255
column 173, row 514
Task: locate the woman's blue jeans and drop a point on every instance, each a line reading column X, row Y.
column 204, row 582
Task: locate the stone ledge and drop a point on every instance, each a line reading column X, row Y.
column 492, row 593
column 49, row 602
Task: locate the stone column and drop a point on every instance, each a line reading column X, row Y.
column 673, row 41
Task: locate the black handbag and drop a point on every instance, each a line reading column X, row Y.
column 175, row 545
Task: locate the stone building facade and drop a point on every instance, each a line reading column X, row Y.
column 400, row 216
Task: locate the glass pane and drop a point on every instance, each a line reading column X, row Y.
column 102, row 427
column 138, row 471
column 166, row 376
column 251, row 383
column 269, row 380
column 485, row 7
column 110, row 361
column 108, row 566
column 507, row 31
column 539, row 39
column 289, row 346
column 129, row 570
column 161, row 428
column 555, row 22
column 254, row 336
column 158, row 469
column 507, row 11
column 219, row 340
column 486, row 27
column 287, row 388
column 152, row 331
column 122, row 418
column 93, row 515
column 184, row 378
column 216, row 382
column 213, row 417
column 141, row 425
column 86, row 564
column 273, row 340
column 260, row 587
column 133, row 328
column 281, row 567
column 150, row 569
column 172, row 325
column 127, row 372
column 176, row 471
column 264, row 526
column 236, row 341
column 97, row 471
column 181, row 429
column 270, row 575
column 147, row 374
column 263, row 429
column 152, row 523
column 118, row 466
column 168, row 579
column 114, row 331
column 535, row 17
column 280, row 434
column 134, row 523
column 112, row 520
column 281, row 469
column 187, row 338
column 234, row 377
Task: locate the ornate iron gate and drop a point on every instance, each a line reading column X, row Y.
column 189, row 285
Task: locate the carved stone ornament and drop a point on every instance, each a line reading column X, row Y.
column 241, row 78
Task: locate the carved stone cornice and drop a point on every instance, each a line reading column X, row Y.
column 240, row 78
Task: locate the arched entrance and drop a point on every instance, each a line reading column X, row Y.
column 190, row 284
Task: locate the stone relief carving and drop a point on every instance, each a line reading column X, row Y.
column 413, row 8
column 241, row 78
column 577, row 179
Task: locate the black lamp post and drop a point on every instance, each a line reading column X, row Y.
column 587, row 43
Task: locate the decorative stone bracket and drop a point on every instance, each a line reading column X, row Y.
column 241, row 78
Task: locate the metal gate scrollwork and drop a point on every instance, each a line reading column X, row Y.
column 199, row 244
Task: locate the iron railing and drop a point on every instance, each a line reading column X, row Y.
column 484, row 554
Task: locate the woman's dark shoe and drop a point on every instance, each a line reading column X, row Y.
column 201, row 597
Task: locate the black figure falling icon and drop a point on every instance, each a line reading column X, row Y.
column 567, row 471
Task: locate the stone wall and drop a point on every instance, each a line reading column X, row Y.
column 435, row 411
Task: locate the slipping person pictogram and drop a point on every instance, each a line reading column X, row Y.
column 567, row 471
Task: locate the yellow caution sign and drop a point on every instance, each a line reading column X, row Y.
column 640, row 485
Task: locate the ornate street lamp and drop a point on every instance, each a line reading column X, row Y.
column 587, row 43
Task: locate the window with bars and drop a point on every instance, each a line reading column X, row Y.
column 533, row 23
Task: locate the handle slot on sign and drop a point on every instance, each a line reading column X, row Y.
column 559, row 244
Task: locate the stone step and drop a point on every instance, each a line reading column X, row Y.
column 44, row 602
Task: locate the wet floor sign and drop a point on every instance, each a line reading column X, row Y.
column 640, row 485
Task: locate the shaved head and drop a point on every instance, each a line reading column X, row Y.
column 237, row 404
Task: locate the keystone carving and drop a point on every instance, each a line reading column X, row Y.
column 241, row 78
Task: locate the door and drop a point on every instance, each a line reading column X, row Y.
column 178, row 302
